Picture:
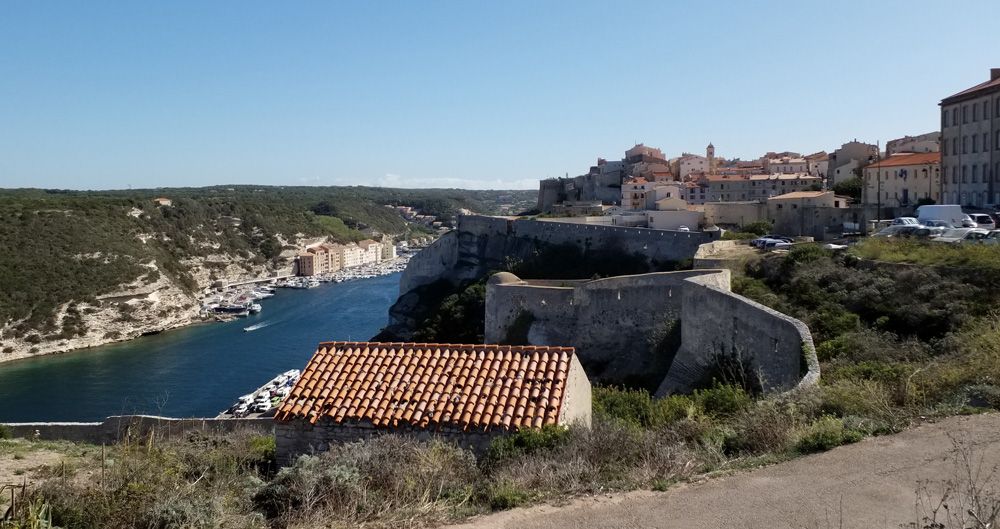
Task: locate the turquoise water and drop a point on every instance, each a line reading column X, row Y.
column 195, row 371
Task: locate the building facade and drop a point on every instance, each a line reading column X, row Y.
column 845, row 161
column 903, row 179
column 725, row 188
column 970, row 145
column 930, row 142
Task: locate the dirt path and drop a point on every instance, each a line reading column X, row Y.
column 875, row 481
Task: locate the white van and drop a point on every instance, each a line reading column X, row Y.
column 950, row 213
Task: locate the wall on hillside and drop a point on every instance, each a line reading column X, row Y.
column 116, row 428
column 620, row 326
column 665, row 331
column 483, row 244
column 776, row 349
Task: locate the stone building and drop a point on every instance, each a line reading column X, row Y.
column 468, row 394
column 845, row 161
column 903, row 179
column 970, row 144
column 930, row 142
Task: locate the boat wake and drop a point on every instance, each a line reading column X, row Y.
column 256, row 326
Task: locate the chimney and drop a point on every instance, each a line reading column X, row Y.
column 994, row 74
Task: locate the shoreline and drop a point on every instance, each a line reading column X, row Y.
column 202, row 318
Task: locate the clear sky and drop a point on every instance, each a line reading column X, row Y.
column 112, row 94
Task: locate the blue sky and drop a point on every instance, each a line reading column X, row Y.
column 98, row 95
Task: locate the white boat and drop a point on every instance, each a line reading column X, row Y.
column 256, row 326
column 312, row 284
column 255, row 308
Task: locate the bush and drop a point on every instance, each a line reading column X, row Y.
column 5, row 432
column 638, row 409
column 722, row 400
column 825, row 433
column 757, row 228
column 765, row 427
column 527, row 441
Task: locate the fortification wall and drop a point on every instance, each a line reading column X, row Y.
column 115, row 428
column 667, row 331
column 774, row 348
column 429, row 264
column 658, row 245
column 621, row 326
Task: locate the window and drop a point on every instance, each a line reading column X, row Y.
column 965, row 113
column 944, row 149
column 954, row 116
column 975, row 143
column 986, row 109
column 965, row 144
column 986, row 173
column 975, row 112
column 986, row 141
column 965, row 170
column 954, row 175
column 954, row 145
column 975, row 174
column 944, row 118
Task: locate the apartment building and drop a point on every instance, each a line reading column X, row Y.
column 970, row 144
column 903, row 179
column 725, row 188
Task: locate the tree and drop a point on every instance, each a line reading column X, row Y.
column 850, row 188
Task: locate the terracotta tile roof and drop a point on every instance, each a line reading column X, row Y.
column 801, row 194
column 471, row 387
column 912, row 158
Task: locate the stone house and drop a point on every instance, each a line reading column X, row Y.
column 468, row 394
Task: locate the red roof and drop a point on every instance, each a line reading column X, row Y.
column 425, row 385
column 914, row 158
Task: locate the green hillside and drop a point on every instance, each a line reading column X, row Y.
column 63, row 246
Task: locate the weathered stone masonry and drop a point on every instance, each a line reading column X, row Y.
column 615, row 324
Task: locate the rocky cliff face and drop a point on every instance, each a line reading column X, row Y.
column 489, row 244
column 141, row 307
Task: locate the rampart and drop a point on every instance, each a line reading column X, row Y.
column 728, row 330
column 664, row 331
column 481, row 242
column 116, row 428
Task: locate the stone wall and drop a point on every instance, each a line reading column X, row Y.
column 298, row 437
column 482, row 244
column 625, row 329
column 620, row 326
column 775, row 349
column 115, row 428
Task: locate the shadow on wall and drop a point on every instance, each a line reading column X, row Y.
column 666, row 332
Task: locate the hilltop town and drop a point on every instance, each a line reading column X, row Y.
column 821, row 195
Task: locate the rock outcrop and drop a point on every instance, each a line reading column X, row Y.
column 480, row 245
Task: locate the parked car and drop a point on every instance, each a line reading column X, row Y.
column 898, row 230
column 983, row 220
column 905, row 221
column 934, row 223
column 777, row 244
column 963, row 235
column 992, row 238
column 762, row 242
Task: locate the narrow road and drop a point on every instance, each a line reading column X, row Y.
column 871, row 484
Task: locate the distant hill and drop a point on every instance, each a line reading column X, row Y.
column 60, row 251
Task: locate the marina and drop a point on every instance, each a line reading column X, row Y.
column 199, row 370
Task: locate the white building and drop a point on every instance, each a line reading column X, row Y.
column 845, row 161
column 691, row 163
column 970, row 145
column 634, row 192
column 930, row 142
column 818, row 164
column 787, row 165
